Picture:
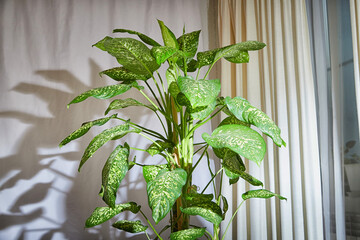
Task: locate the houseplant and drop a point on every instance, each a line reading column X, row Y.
column 182, row 104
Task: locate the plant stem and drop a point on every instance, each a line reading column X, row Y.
column 211, row 180
column 227, row 227
column 152, row 227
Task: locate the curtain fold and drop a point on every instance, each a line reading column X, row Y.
column 278, row 80
column 355, row 27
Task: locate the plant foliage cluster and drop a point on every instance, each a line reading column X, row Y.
column 182, row 104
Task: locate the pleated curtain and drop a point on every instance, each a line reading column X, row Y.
column 279, row 81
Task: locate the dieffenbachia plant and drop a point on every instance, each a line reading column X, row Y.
column 182, row 104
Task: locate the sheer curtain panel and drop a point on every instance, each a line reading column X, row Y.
column 278, row 80
column 46, row 59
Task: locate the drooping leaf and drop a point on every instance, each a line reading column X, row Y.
column 105, row 136
column 241, row 139
column 236, row 53
column 188, row 43
column 103, row 92
column 102, row 214
column 85, row 127
column 208, row 210
column 168, row 36
column 143, row 37
column 261, row 193
column 201, row 115
column 122, row 74
column 233, row 163
column 130, row 226
column 188, row 234
column 245, row 112
column 158, row 147
column 199, row 92
column 225, row 205
column 124, row 103
column 113, row 173
column 132, row 54
column 247, row 177
column 197, row 197
column 151, row 171
column 170, row 75
column 164, row 190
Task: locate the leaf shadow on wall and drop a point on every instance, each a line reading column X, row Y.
column 45, row 193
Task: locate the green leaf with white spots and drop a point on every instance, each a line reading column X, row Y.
column 191, row 66
column 233, row 120
column 198, row 197
column 163, row 53
column 124, row 103
column 102, row 138
column 102, row 214
column 158, row 147
column 130, row 226
column 199, row 92
column 85, row 127
column 132, row 54
column 114, row 172
column 188, row 43
column 168, row 36
column 104, row 92
column 241, row 139
column 170, row 75
column 143, row 37
column 100, row 44
column 201, row 115
column 164, row 190
column 236, row 53
column 151, row 171
column 208, row 210
column 233, row 163
column 261, row 193
column 122, row 74
column 188, row 234
column 245, row 112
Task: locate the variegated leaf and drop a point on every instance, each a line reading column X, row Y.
column 104, row 92
column 208, row 210
column 201, row 115
column 105, row 136
column 236, row 53
column 85, row 127
column 143, row 37
column 132, row 54
column 151, row 171
column 199, row 92
column 158, row 147
column 102, row 214
column 122, row 74
column 113, row 173
column 164, row 190
column 168, row 36
column 261, row 193
column 188, row 234
column 241, row 139
column 242, row 109
column 163, row 53
column 188, row 43
column 130, row 226
column 124, row 103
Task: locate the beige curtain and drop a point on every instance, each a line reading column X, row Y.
column 278, row 80
column 355, row 26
